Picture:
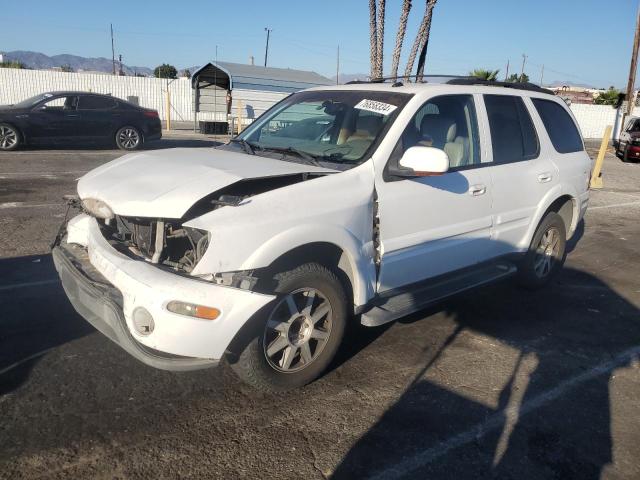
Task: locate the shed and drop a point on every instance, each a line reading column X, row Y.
column 224, row 88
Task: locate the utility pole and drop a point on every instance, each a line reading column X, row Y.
column 632, row 70
column 338, row 67
column 506, row 75
column 266, row 50
column 524, row 59
column 121, row 73
column 542, row 75
column 113, row 51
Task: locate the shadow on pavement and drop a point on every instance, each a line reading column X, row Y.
column 550, row 418
column 170, row 141
column 36, row 317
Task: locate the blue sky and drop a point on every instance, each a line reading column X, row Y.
column 582, row 41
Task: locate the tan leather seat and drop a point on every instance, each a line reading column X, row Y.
column 441, row 131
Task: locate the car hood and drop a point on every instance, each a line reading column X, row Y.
column 166, row 183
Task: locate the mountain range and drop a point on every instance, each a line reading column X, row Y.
column 39, row 61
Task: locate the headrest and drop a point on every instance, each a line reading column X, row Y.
column 369, row 124
column 439, row 128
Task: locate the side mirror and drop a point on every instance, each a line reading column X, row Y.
column 423, row 162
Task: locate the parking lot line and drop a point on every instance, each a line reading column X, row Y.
column 614, row 205
column 497, row 420
column 7, row 205
column 39, row 283
column 42, row 174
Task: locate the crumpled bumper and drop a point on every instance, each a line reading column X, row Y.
column 105, row 287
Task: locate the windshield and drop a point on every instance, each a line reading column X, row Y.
column 332, row 126
column 29, row 102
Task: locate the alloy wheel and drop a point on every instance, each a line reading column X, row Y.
column 8, row 138
column 297, row 330
column 129, row 138
column 547, row 252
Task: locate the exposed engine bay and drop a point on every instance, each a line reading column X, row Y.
column 166, row 242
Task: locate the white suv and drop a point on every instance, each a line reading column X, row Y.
column 360, row 203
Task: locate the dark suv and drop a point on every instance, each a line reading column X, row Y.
column 629, row 143
column 77, row 116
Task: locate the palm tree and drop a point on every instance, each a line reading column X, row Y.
column 421, row 38
column 380, row 39
column 425, row 40
column 402, row 29
column 373, row 38
column 481, row 73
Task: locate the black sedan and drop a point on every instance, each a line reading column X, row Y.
column 77, row 116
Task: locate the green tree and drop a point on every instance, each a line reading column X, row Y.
column 489, row 75
column 186, row 73
column 515, row 78
column 66, row 68
column 12, row 64
column 608, row 97
column 165, row 71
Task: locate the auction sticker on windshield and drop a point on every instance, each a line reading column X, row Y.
column 376, row 107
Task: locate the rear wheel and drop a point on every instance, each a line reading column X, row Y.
column 9, row 137
column 546, row 253
column 128, row 138
column 295, row 339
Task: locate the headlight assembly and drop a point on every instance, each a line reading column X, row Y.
column 97, row 208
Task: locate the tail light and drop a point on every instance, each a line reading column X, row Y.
column 151, row 114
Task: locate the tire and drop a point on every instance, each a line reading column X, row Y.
column 292, row 342
column 10, row 138
column 129, row 138
column 546, row 253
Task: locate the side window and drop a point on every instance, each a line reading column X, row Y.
column 448, row 122
column 513, row 136
column 634, row 126
column 560, row 126
column 59, row 104
column 91, row 102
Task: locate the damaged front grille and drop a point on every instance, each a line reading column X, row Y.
column 159, row 241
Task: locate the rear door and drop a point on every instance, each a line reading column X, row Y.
column 568, row 153
column 98, row 116
column 521, row 174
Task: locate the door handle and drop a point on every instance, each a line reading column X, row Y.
column 545, row 177
column 478, row 189
column 72, row 115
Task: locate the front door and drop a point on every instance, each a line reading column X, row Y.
column 434, row 225
column 54, row 119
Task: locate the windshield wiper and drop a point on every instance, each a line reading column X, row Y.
column 300, row 153
column 246, row 146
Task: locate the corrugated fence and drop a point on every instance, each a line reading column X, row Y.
column 16, row 85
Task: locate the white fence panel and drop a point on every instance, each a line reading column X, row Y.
column 17, row 85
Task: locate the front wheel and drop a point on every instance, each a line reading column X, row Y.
column 128, row 138
column 546, row 253
column 298, row 335
column 9, row 137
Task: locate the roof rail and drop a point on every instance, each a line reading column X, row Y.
column 532, row 87
column 459, row 80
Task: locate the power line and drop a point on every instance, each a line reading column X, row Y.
column 266, row 50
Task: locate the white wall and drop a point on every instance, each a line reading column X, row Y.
column 593, row 119
column 17, row 85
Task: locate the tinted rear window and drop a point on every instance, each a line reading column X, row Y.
column 96, row 103
column 560, row 126
column 513, row 136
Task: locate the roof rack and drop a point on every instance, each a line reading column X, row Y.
column 532, row 87
column 458, row 80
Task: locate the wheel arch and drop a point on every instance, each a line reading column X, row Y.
column 21, row 132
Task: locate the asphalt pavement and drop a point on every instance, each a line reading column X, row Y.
column 498, row 383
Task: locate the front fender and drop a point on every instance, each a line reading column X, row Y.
column 359, row 254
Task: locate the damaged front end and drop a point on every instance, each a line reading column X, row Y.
column 165, row 242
